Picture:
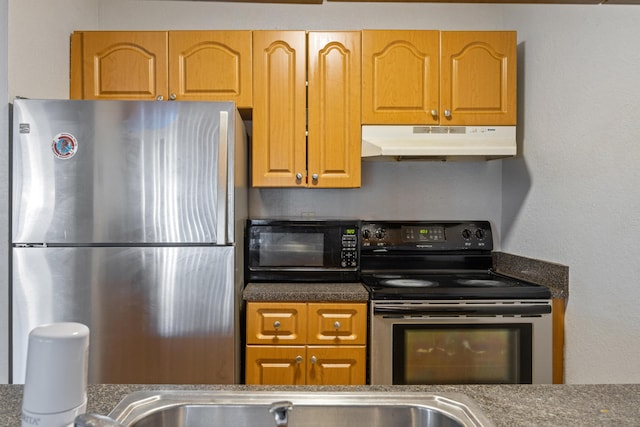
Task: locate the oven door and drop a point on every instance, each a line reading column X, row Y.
column 453, row 342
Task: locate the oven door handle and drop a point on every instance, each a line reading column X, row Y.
column 526, row 310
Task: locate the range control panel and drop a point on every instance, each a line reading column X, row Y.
column 426, row 236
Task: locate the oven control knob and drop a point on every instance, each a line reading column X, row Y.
column 379, row 233
column 366, row 233
column 480, row 234
column 466, row 233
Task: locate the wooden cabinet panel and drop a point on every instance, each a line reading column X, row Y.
column 478, row 77
column 461, row 78
column 120, row 65
column 279, row 108
column 211, row 65
column 275, row 365
column 337, row 323
column 270, row 359
column 341, row 365
column 162, row 65
column 283, row 155
column 334, row 139
column 400, row 76
column 276, row 323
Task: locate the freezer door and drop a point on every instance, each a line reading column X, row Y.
column 156, row 314
column 123, row 172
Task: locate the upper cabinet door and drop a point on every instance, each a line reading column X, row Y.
column 210, row 65
column 400, row 76
column 334, row 132
column 120, row 65
column 279, row 112
column 478, row 78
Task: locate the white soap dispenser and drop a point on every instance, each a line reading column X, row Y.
column 55, row 389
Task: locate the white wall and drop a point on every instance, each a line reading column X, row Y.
column 574, row 198
column 570, row 199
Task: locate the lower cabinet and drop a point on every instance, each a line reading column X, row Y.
column 306, row 343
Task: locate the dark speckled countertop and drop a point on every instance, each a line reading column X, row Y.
column 505, row 405
column 550, row 274
column 328, row 292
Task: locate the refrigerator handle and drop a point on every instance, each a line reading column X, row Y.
column 223, row 160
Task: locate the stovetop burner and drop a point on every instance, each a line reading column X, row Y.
column 476, row 285
column 407, row 282
column 414, row 260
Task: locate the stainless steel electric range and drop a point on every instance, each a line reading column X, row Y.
column 441, row 315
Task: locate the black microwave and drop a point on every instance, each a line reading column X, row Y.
column 304, row 250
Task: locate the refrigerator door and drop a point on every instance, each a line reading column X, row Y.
column 156, row 314
column 113, row 172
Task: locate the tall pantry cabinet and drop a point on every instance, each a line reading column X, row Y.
column 306, row 109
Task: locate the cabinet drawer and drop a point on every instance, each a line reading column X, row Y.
column 334, row 324
column 276, row 323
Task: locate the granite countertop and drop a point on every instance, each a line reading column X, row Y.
column 550, row 274
column 505, row 405
column 327, row 292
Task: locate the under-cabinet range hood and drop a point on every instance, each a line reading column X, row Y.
column 405, row 142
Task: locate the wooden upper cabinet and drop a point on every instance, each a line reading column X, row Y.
column 334, row 140
column 283, row 155
column 400, row 76
column 279, row 109
column 210, row 65
column 439, row 78
column 119, row 65
column 478, row 77
column 161, row 65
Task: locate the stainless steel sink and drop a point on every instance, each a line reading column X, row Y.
column 308, row 409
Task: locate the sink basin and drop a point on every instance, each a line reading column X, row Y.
column 310, row 409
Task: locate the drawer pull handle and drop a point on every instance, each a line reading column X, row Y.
column 276, row 325
column 336, row 325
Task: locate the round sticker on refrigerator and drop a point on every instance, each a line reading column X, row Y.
column 64, row 145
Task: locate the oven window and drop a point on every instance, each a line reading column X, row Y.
column 291, row 249
column 462, row 354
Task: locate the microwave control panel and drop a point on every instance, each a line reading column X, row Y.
column 349, row 253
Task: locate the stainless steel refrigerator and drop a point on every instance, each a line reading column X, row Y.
column 128, row 216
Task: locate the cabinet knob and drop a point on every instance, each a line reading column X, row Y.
column 276, row 324
column 447, row 114
column 172, row 97
column 314, row 178
column 299, row 359
column 298, row 177
column 313, row 360
column 159, row 98
column 434, row 113
column 336, row 325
